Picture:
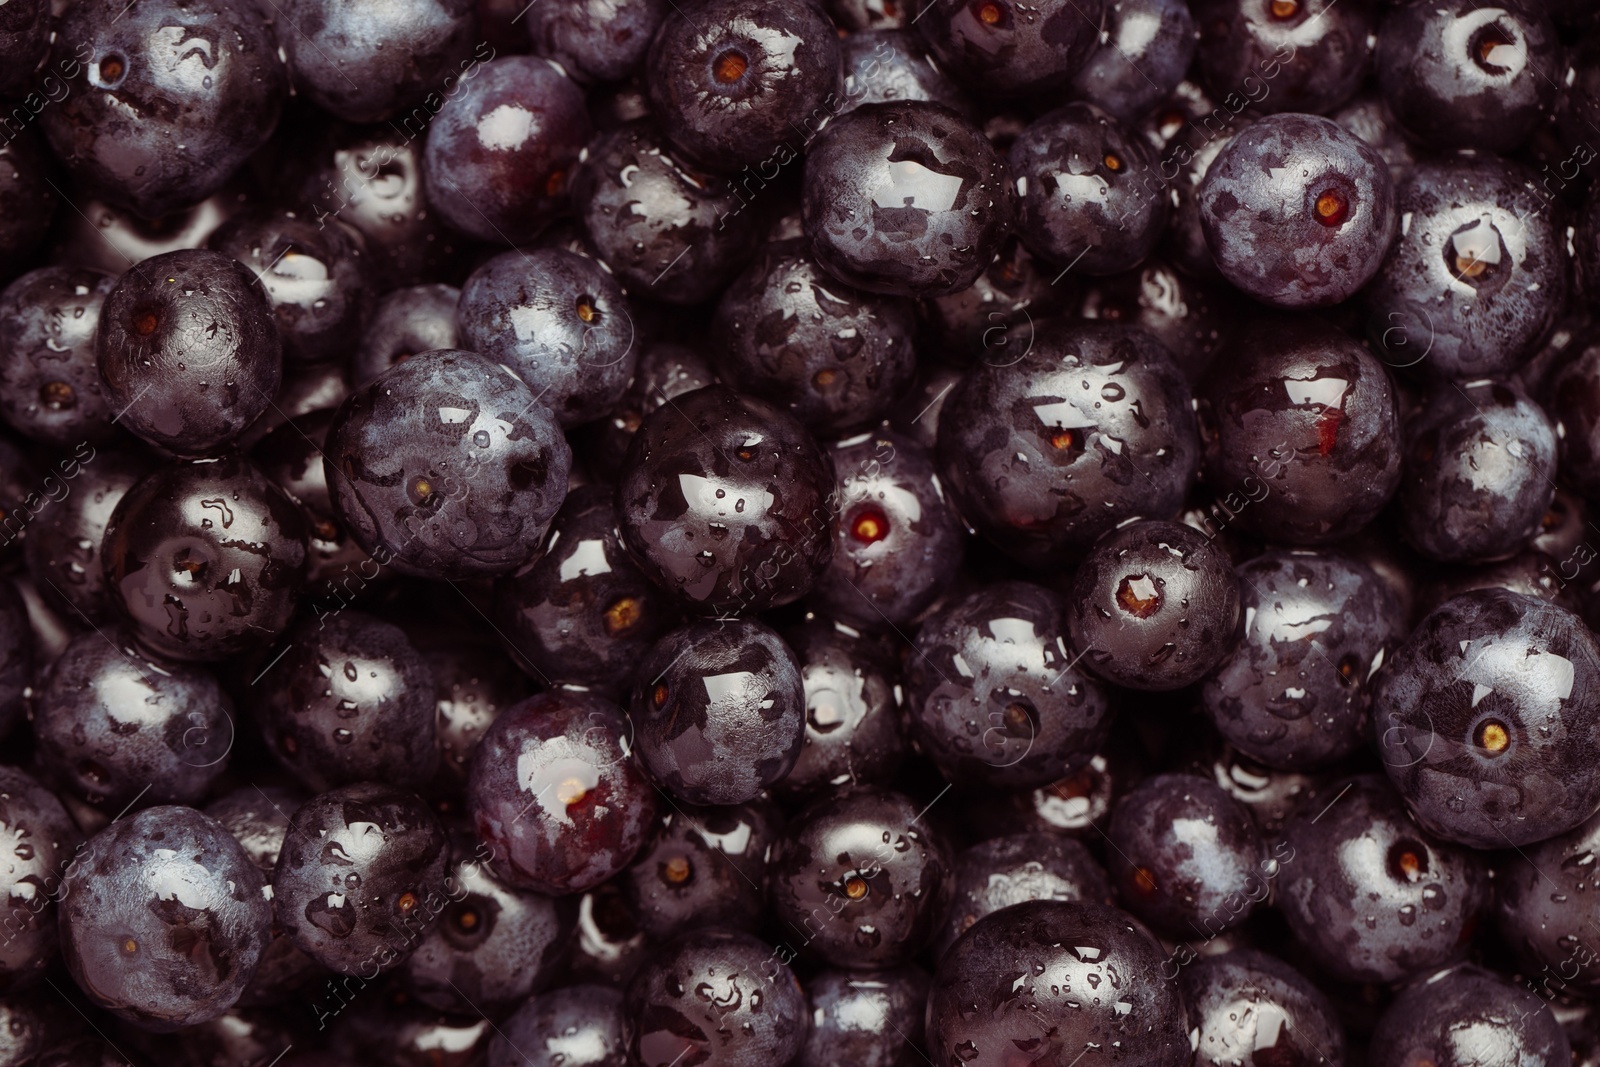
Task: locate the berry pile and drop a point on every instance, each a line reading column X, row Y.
column 800, row 533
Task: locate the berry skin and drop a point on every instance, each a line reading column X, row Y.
column 361, row 877
column 163, row 918
column 1154, row 605
column 995, row 697
column 1011, row 982
column 952, row 195
column 447, row 466
column 727, row 501
column 717, row 998
column 555, row 794
column 1487, row 723
column 720, row 711
column 1297, row 211
column 189, row 350
column 205, row 560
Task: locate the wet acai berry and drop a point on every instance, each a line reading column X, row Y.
column 704, row 867
column 560, row 321
column 555, row 793
column 1013, row 982
column 165, row 892
column 1467, row 1015
column 853, row 729
column 907, row 199
column 869, row 1020
column 898, row 542
column 1483, row 720
column 1009, row 49
column 743, row 81
column 1187, row 857
column 205, row 560
column 1154, row 605
column 788, row 333
column 50, row 388
column 189, row 350
column 501, row 150
column 1297, row 211
column 720, row 711
column 1017, row 868
column 865, row 860
column 668, row 231
column 724, row 499
column 1370, row 895
column 1456, row 75
column 447, row 465
column 1479, row 475
column 1087, row 191
column 1045, row 446
column 1296, row 691
column 493, row 945
column 994, row 695
column 348, row 700
column 1477, row 277
column 46, row 840
column 575, row 1026
column 116, row 727
column 1246, row 1003
column 718, row 997
column 164, row 100
column 583, row 613
column 361, row 877
column 1301, row 434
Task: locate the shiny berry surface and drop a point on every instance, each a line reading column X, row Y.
column 725, row 500
column 1051, row 977
column 556, row 796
